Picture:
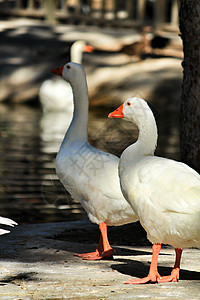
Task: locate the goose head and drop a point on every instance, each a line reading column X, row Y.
column 71, row 72
column 138, row 111
column 77, row 50
column 133, row 109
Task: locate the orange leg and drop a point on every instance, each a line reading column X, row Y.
column 103, row 250
column 175, row 272
column 153, row 275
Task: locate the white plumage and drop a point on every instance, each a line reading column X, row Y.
column 165, row 194
column 90, row 175
column 56, row 95
column 8, row 222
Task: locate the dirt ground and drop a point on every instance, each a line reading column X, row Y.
column 37, row 262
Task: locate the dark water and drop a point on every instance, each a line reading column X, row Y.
column 30, row 191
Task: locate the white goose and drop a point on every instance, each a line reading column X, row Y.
column 164, row 194
column 90, row 175
column 56, row 94
column 6, row 221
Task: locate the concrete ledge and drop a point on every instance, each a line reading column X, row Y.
column 37, row 264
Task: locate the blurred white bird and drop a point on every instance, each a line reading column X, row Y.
column 56, row 94
column 56, row 99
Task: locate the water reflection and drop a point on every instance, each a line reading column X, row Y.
column 53, row 125
column 30, row 191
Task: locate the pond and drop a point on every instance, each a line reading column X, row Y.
column 30, row 191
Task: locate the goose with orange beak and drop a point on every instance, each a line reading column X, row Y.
column 164, row 194
column 89, row 174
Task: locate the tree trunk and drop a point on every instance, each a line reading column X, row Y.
column 190, row 98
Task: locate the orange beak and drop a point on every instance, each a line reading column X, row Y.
column 88, row 48
column 117, row 113
column 57, row 71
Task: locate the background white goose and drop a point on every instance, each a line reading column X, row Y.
column 90, row 175
column 164, row 194
column 6, row 221
column 56, row 94
column 56, row 98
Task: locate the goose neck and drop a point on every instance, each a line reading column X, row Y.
column 147, row 139
column 146, row 142
column 76, row 53
column 78, row 129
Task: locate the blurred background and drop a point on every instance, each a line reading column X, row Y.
column 136, row 52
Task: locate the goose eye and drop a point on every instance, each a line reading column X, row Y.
column 68, row 67
column 128, row 103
